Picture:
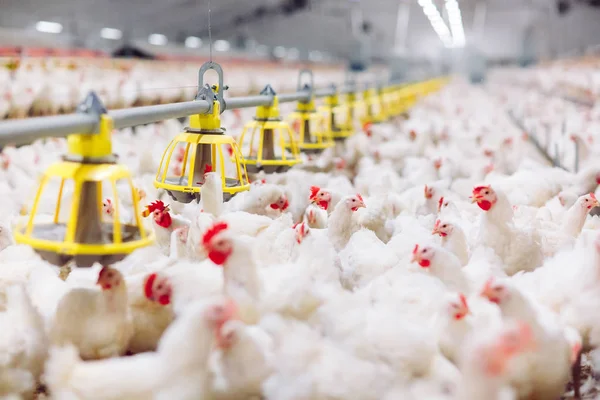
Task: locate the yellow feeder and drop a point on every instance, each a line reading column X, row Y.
column 374, row 112
column 202, row 147
column 339, row 118
column 308, row 125
column 78, row 231
column 267, row 142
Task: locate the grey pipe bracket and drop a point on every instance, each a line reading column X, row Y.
column 306, row 87
column 92, row 105
column 219, row 94
column 206, row 93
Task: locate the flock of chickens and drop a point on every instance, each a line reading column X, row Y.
column 432, row 257
column 34, row 87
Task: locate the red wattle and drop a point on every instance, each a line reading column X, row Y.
column 424, row 263
column 484, row 205
column 164, row 300
column 323, row 204
column 218, row 257
column 165, row 220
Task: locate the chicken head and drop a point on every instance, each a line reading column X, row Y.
column 220, row 312
column 281, row 204
column 442, row 203
column 109, row 278
column 320, row 197
column 484, row 196
column 158, row 288
column 301, row 231
column 494, row 291
column 217, row 243
column 107, row 207
column 588, row 201
column 160, row 213
column 458, row 306
column 423, row 255
column 354, row 202
column 442, row 228
column 428, row 192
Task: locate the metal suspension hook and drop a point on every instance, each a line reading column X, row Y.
column 219, row 92
column 310, row 86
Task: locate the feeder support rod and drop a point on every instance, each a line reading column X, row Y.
column 19, row 132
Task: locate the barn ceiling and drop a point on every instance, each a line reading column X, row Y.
column 497, row 26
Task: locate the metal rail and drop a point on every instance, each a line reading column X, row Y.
column 19, row 132
column 554, row 161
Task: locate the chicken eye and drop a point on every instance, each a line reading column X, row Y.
column 586, row 199
column 159, row 287
column 424, row 251
column 444, row 226
column 486, row 192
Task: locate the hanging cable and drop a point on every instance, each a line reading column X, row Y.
column 210, row 32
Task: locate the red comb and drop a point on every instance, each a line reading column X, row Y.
column 463, row 299
column 263, row 181
column 440, row 203
column 437, row 224
column 208, row 168
column 359, row 197
column 230, row 150
column 214, row 230
column 593, row 196
column 416, row 249
column 157, row 205
column 148, row 285
column 313, row 192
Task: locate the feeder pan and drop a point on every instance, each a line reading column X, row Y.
column 267, row 142
column 202, row 147
column 308, row 126
column 83, row 233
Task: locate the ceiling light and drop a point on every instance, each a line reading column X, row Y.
column 193, row 42
column 293, row 54
column 262, row 50
column 315, row 56
column 48, row 27
column 222, row 45
column 279, row 51
column 456, row 24
column 111, row 33
column 157, row 39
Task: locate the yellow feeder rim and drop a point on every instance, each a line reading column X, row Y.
column 80, row 173
column 271, row 125
column 324, row 138
column 197, row 139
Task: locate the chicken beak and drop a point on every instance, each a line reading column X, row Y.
column 474, row 199
column 362, row 205
column 415, row 258
column 487, row 292
column 436, row 231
